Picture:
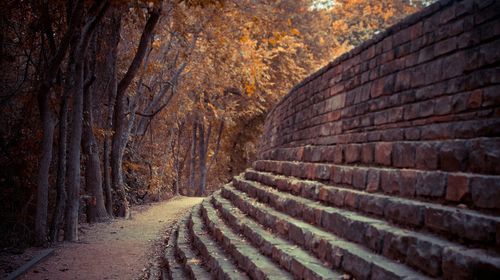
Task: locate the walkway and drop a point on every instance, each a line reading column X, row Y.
column 123, row 249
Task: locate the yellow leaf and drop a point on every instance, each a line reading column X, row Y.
column 295, row 31
column 250, row 89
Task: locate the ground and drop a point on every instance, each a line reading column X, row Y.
column 122, row 249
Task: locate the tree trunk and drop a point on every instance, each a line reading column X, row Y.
column 203, row 156
column 217, row 146
column 106, row 79
column 175, row 154
column 48, row 124
column 58, row 215
column 75, row 73
column 75, row 76
column 104, row 89
column 96, row 211
column 192, row 162
column 121, row 122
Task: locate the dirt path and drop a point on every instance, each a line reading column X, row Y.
column 122, row 249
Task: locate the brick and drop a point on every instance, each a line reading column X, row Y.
column 426, row 256
column 426, row 108
column 442, row 105
column 433, row 71
column 395, row 115
column 395, row 246
column 416, row 30
column 431, row 184
column 401, row 37
column 373, row 204
column 351, row 200
column 352, row 153
column 466, row 264
column 458, row 187
column 347, row 176
column 374, row 239
column 485, row 191
column 412, row 133
column 389, row 181
column 426, row 156
column 403, row 80
column 403, row 155
column 411, row 111
column 386, row 57
column 335, row 102
column 359, row 268
column 380, row 118
column 453, row 156
column 459, row 102
column 409, row 214
column 475, row 99
column 446, row 15
column 367, row 153
column 426, row 54
column 336, row 174
column 383, row 153
column 464, row 7
column 407, row 183
column 491, row 96
column 403, row 50
column 373, row 180
column 454, row 65
column 484, row 156
column 359, row 178
column 377, row 88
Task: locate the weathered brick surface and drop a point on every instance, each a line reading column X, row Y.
column 385, row 164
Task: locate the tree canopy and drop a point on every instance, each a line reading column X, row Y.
column 112, row 103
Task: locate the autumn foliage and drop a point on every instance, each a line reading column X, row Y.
column 172, row 94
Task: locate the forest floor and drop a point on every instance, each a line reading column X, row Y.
column 121, row 249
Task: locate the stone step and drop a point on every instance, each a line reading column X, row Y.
column 174, row 269
column 481, row 192
column 248, row 258
column 299, row 262
column 462, row 225
column 215, row 258
column 424, row 252
column 193, row 264
column 444, row 154
column 341, row 254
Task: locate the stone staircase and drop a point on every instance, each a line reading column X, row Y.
column 267, row 225
column 383, row 165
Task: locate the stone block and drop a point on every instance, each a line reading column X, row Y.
column 359, row 178
column 431, row 184
column 407, row 183
column 403, row 155
column 395, row 246
column 383, row 153
column 458, row 187
column 484, row 156
column 358, row 266
column 373, row 180
column 426, row 256
column 468, row 264
column 367, row 153
column 404, row 213
column 389, row 181
column 453, row 156
column 352, row 153
column 485, row 191
column 373, row 204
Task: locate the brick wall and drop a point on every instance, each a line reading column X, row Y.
column 413, row 112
